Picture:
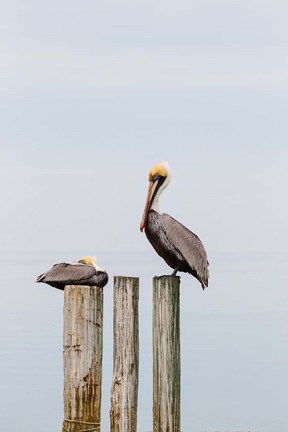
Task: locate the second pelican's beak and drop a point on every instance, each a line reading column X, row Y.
column 151, row 189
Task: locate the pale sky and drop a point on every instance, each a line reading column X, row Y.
column 93, row 93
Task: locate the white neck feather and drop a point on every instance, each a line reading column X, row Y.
column 155, row 204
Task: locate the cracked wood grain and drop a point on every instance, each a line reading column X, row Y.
column 124, row 389
column 82, row 352
column 166, row 354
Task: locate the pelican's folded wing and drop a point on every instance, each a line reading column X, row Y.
column 188, row 244
column 68, row 273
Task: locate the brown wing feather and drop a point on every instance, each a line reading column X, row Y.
column 188, row 244
column 67, row 273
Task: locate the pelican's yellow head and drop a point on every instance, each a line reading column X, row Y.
column 160, row 169
column 159, row 177
column 92, row 261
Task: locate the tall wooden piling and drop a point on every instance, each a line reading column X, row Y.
column 166, row 354
column 83, row 341
column 124, row 389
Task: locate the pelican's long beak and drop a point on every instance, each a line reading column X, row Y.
column 151, row 189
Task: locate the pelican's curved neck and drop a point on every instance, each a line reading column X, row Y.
column 155, row 203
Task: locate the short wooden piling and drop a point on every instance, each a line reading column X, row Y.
column 83, row 341
column 166, row 354
column 124, row 389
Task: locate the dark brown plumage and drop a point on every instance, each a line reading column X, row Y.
column 181, row 249
column 84, row 272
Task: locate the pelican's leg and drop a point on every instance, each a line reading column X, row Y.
column 174, row 272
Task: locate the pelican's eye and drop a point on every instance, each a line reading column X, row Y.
column 156, row 177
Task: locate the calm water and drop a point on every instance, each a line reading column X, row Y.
column 234, row 346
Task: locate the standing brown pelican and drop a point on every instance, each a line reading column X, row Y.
column 177, row 245
column 84, row 272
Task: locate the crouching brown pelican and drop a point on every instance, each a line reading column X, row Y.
column 84, row 272
column 177, row 245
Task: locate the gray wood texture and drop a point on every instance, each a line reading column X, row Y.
column 166, row 354
column 83, row 342
column 124, row 389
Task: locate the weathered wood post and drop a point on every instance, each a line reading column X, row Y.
column 124, row 389
column 166, row 354
column 83, row 331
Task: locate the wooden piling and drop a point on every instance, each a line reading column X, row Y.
column 124, row 389
column 166, row 354
column 83, row 341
